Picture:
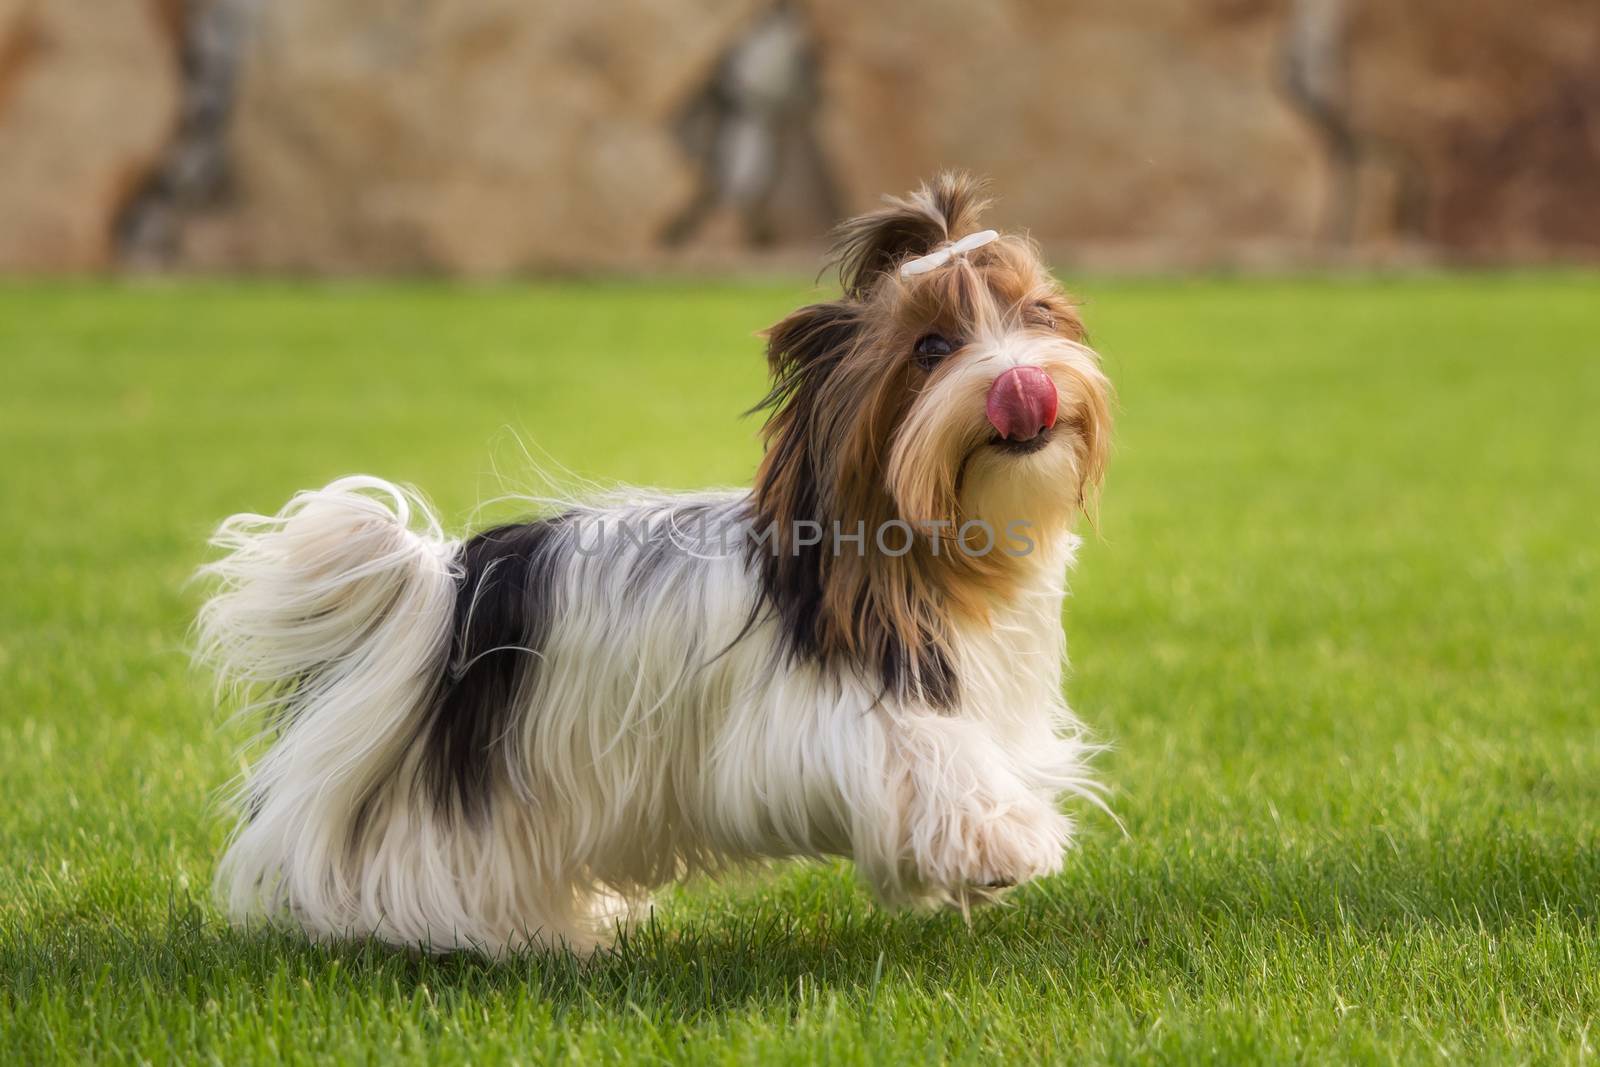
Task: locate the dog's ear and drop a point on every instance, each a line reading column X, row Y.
column 869, row 246
column 805, row 347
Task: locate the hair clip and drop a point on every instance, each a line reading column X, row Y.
column 935, row 260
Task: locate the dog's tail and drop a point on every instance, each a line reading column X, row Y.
column 335, row 616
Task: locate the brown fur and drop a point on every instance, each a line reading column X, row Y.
column 845, row 386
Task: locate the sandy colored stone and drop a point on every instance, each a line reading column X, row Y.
column 484, row 137
column 475, row 137
column 88, row 97
column 1100, row 120
column 1485, row 116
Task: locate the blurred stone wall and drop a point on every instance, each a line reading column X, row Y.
column 484, row 137
column 89, row 95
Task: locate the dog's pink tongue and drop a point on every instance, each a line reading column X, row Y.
column 1022, row 402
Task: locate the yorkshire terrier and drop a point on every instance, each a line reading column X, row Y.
column 511, row 739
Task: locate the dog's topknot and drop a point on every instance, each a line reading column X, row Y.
column 871, row 245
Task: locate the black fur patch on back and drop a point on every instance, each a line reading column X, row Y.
column 503, row 616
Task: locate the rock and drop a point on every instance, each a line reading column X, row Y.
column 1155, row 121
column 484, row 137
column 88, row 97
column 751, row 133
column 1487, row 117
column 475, row 137
column 193, row 173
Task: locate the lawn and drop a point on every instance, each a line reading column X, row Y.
column 1339, row 623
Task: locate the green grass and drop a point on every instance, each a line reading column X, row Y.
column 1340, row 623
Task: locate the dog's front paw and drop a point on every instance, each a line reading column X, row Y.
column 1016, row 847
column 988, row 850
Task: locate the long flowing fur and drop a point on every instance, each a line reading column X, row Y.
column 512, row 738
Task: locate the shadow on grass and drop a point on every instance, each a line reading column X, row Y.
column 1123, row 914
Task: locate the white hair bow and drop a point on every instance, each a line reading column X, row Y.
column 937, row 259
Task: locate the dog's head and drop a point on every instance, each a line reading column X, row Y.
column 949, row 383
column 948, row 389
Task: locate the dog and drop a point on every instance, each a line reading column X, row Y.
column 509, row 740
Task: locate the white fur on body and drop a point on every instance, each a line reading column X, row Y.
column 659, row 736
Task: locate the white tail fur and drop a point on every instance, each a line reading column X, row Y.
column 335, row 616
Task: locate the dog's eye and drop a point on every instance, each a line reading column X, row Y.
column 1043, row 314
column 931, row 349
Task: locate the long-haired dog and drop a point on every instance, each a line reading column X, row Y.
column 511, row 739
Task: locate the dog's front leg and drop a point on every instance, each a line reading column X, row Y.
column 962, row 823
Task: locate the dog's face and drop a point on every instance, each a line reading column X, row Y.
column 999, row 412
column 963, row 392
